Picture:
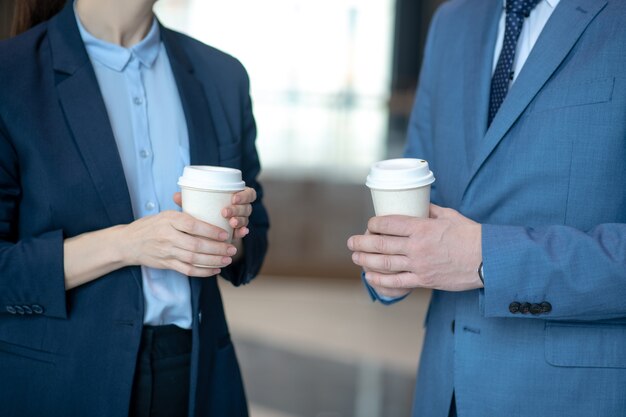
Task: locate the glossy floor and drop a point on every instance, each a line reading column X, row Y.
column 321, row 348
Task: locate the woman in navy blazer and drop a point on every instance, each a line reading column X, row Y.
column 72, row 253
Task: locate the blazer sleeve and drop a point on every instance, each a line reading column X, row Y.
column 255, row 243
column 581, row 275
column 32, row 278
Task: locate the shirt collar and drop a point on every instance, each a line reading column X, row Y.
column 117, row 57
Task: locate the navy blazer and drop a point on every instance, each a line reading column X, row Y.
column 73, row 353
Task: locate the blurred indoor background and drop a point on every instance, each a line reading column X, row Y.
column 332, row 82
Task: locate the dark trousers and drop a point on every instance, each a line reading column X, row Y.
column 161, row 384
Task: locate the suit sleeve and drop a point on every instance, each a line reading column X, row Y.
column 581, row 275
column 255, row 243
column 32, row 278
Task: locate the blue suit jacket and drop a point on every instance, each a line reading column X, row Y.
column 73, row 353
column 548, row 181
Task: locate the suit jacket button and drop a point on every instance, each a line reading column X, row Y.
column 37, row 309
column 19, row 310
column 27, row 310
column 546, row 307
column 535, row 309
column 11, row 310
column 514, row 307
column 525, row 308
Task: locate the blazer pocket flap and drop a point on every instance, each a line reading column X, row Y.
column 578, row 94
column 26, row 352
column 586, row 345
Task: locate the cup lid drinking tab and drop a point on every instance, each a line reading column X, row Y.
column 399, row 174
column 206, row 177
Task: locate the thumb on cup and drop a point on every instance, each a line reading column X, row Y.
column 178, row 199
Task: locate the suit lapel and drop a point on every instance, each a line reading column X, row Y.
column 479, row 58
column 204, row 112
column 204, row 115
column 86, row 115
column 203, row 142
column 567, row 23
column 203, row 138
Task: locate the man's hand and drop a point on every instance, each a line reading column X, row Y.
column 401, row 253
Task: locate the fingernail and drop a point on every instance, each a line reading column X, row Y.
column 231, row 251
column 245, row 231
column 226, row 261
column 350, row 243
column 226, row 213
column 217, row 271
column 236, row 200
column 355, row 257
column 367, row 276
column 222, row 236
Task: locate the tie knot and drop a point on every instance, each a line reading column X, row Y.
column 521, row 7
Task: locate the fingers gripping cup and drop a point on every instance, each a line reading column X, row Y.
column 401, row 186
column 206, row 190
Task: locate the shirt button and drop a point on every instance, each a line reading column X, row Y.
column 144, row 153
column 138, row 101
column 150, row 205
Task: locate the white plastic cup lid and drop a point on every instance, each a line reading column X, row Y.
column 204, row 177
column 399, row 174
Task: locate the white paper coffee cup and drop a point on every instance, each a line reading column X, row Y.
column 206, row 190
column 401, row 186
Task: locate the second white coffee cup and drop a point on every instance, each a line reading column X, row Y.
column 401, row 186
column 206, row 190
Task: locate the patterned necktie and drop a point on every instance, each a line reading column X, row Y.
column 516, row 12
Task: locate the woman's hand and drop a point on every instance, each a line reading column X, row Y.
column 168, row 240
column 176, row 241
column 239, row 213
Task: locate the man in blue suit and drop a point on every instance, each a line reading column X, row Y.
column 104, row 309
column 521, row 112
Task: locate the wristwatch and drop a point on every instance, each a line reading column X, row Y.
column 480, row 273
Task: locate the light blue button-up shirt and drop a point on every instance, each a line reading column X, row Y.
column 150, row 130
